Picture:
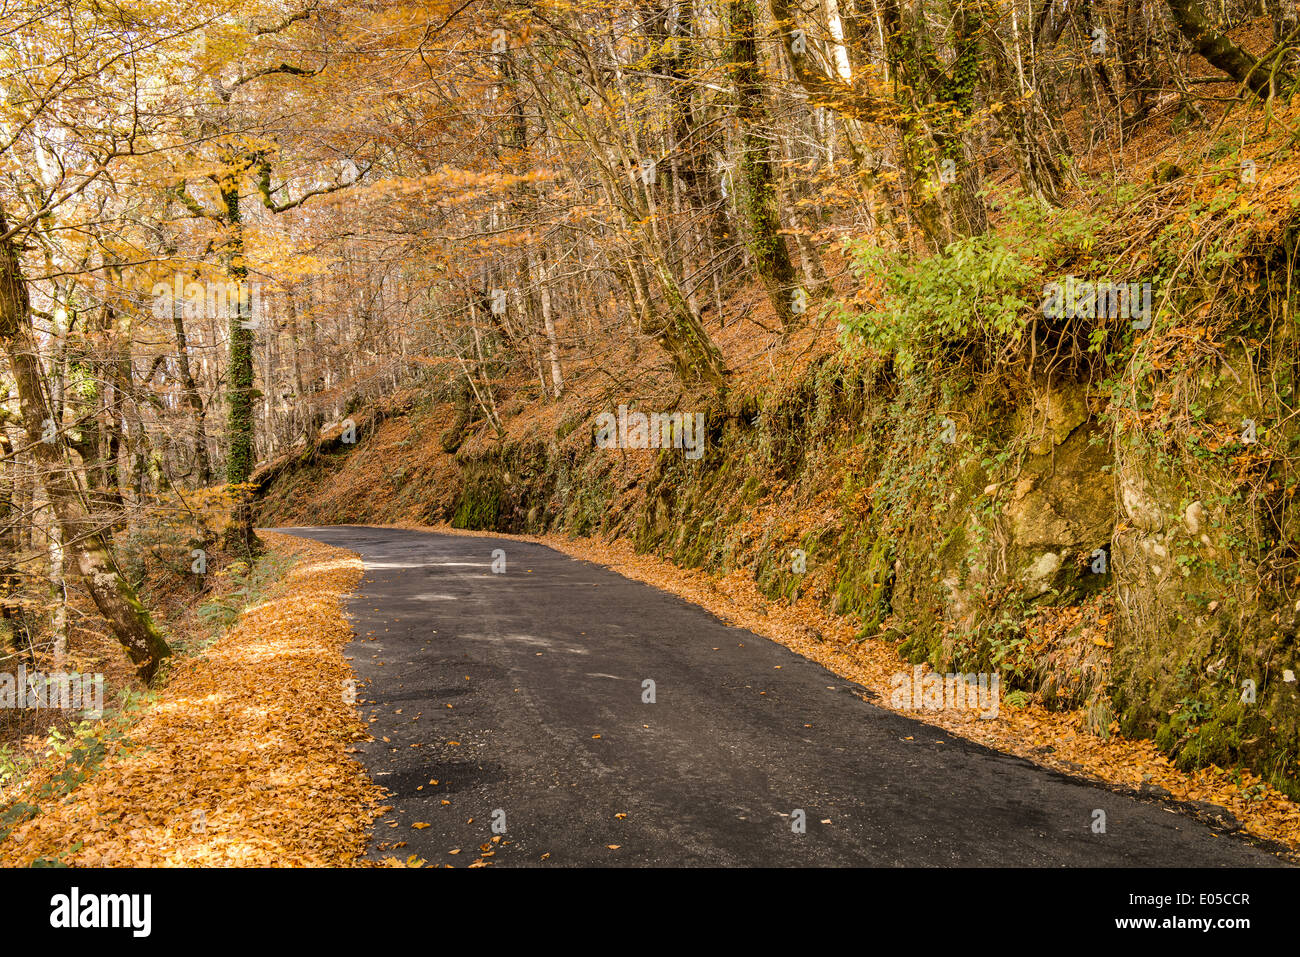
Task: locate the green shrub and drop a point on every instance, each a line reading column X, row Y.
column 985, row 286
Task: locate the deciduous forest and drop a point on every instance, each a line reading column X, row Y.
column 947, row 335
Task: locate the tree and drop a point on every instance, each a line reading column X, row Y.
column 760, row 192
column 112, row 594
column 238, row 168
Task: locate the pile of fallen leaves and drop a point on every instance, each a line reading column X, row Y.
column 242, row 757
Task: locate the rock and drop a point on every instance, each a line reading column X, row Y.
column 1214, row 815
column 1194, row 517
column 1061, row 410
column 1141, row 509
column 1043, row 569
column 1154, row 790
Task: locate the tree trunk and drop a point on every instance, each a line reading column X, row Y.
column 58, row 594
column 241, row 392
column 759, row 197
column 548, row 326
column 112, row 594
column 199, row 440
column 1222, row 52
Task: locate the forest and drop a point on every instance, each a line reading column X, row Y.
column 948, row 334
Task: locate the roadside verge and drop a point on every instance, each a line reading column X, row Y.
column 242, row 757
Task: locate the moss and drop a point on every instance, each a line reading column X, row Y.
column 1216, row 740
column 866, row 579
column 479, row 505
column 924, row 645
column 1215, row 726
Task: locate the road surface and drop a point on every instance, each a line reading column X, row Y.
column 523, row 695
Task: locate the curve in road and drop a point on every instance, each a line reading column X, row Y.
column 523, row 695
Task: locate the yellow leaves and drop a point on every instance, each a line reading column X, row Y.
column 254, row 735
column 420, row 825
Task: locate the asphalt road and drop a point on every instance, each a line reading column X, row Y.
column 522, row 695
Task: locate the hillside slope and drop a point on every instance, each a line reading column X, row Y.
column 1097, row 510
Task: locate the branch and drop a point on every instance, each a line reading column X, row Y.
column 284, row 69
column 196, row 209
column 287, row 22
column 826, row 90
column 264, row 188
column 1222, row 52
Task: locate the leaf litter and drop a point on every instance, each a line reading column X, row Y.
column 242, row 757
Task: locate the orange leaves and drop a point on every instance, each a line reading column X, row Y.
column 241, row 759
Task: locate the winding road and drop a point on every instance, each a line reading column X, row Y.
column 523, row 695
